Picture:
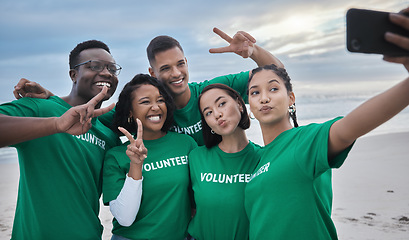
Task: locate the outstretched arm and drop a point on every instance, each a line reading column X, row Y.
column 76, row 121
column 27, row 88
column 378, row 109
column 243, row 44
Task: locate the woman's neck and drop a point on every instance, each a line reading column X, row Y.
column 234, row 142
column 153, row 135
column 271, row 131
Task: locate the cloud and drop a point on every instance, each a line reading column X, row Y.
column 309, row 37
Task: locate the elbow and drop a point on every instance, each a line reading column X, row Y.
column 125, row 222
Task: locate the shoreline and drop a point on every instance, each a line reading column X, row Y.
column 371, row 193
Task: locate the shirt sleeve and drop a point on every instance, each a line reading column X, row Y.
column 312, row 149
column 126, row 206
column 24, row 107
column 237, row 81
column 107, row 118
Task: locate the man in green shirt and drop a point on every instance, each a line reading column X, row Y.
column 169, row 65
column 61, row 150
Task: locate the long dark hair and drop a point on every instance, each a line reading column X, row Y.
column 211, row 139
column 282, row 73
column 124, row 105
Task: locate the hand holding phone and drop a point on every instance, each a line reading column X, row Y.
column 366, row 32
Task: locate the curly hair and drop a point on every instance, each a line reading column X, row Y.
column 124, row 104
column 282, row 73
column 211, row 139
column 74, row 54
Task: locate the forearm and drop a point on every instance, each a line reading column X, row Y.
column 379, row 109
column 126, row 206
column 135, row 171
column 370, row 115
column 263, row 57
column 20, row 129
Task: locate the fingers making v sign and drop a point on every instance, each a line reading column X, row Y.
column 77, row 120
column 136, row 151
column 242, row 43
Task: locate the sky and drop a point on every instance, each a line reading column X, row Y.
column 307, row 36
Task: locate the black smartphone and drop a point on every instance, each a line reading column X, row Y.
column 366, row 32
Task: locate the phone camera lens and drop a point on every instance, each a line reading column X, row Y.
column 355, row 44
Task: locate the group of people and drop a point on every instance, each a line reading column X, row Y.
column 164, row 184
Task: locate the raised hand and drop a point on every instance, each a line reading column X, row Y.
column 136, row 150
column 401, row 41
column 27, row 88
column 77, row 120
column 242, row 43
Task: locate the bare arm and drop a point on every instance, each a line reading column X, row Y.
column 76, row 121
column 378, row 109
column 367, row 117
column 243, row 44
column 20, row 129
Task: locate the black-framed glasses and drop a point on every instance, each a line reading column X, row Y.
column 99, row 66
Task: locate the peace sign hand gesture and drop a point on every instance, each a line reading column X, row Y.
column 242, row 43
column 77, row 120
column 136, row 151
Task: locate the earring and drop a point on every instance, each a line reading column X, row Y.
column 292, row 109
column 251, row 115
column 130, row 120
column 212, row 131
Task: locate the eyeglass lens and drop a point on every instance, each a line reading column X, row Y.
column 99, row 66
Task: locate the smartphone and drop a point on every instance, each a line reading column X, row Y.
column 366, row 32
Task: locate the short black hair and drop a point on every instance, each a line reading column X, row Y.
column 160, row 44
column 74, row 54
column 211, row 139
column 124, row 104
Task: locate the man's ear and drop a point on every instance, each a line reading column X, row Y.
column 73, row 75
column 151, row 72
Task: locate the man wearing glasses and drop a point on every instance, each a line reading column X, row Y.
column 61, row 150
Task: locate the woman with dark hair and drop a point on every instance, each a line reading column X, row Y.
column 281, row 200
column 156, row 161
column 220, row 170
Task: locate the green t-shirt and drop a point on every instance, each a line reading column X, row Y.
column 218, row 182
column 165, row 208
column 187, row 119
column 60, row 176
column 281, row 199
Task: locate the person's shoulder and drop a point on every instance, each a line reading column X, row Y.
column 311, row 126
column 255, row 146
column 179, row 136
column 117, row 149
column 200, row 149
column 199, row 152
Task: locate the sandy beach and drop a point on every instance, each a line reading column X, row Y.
column 371, row 191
